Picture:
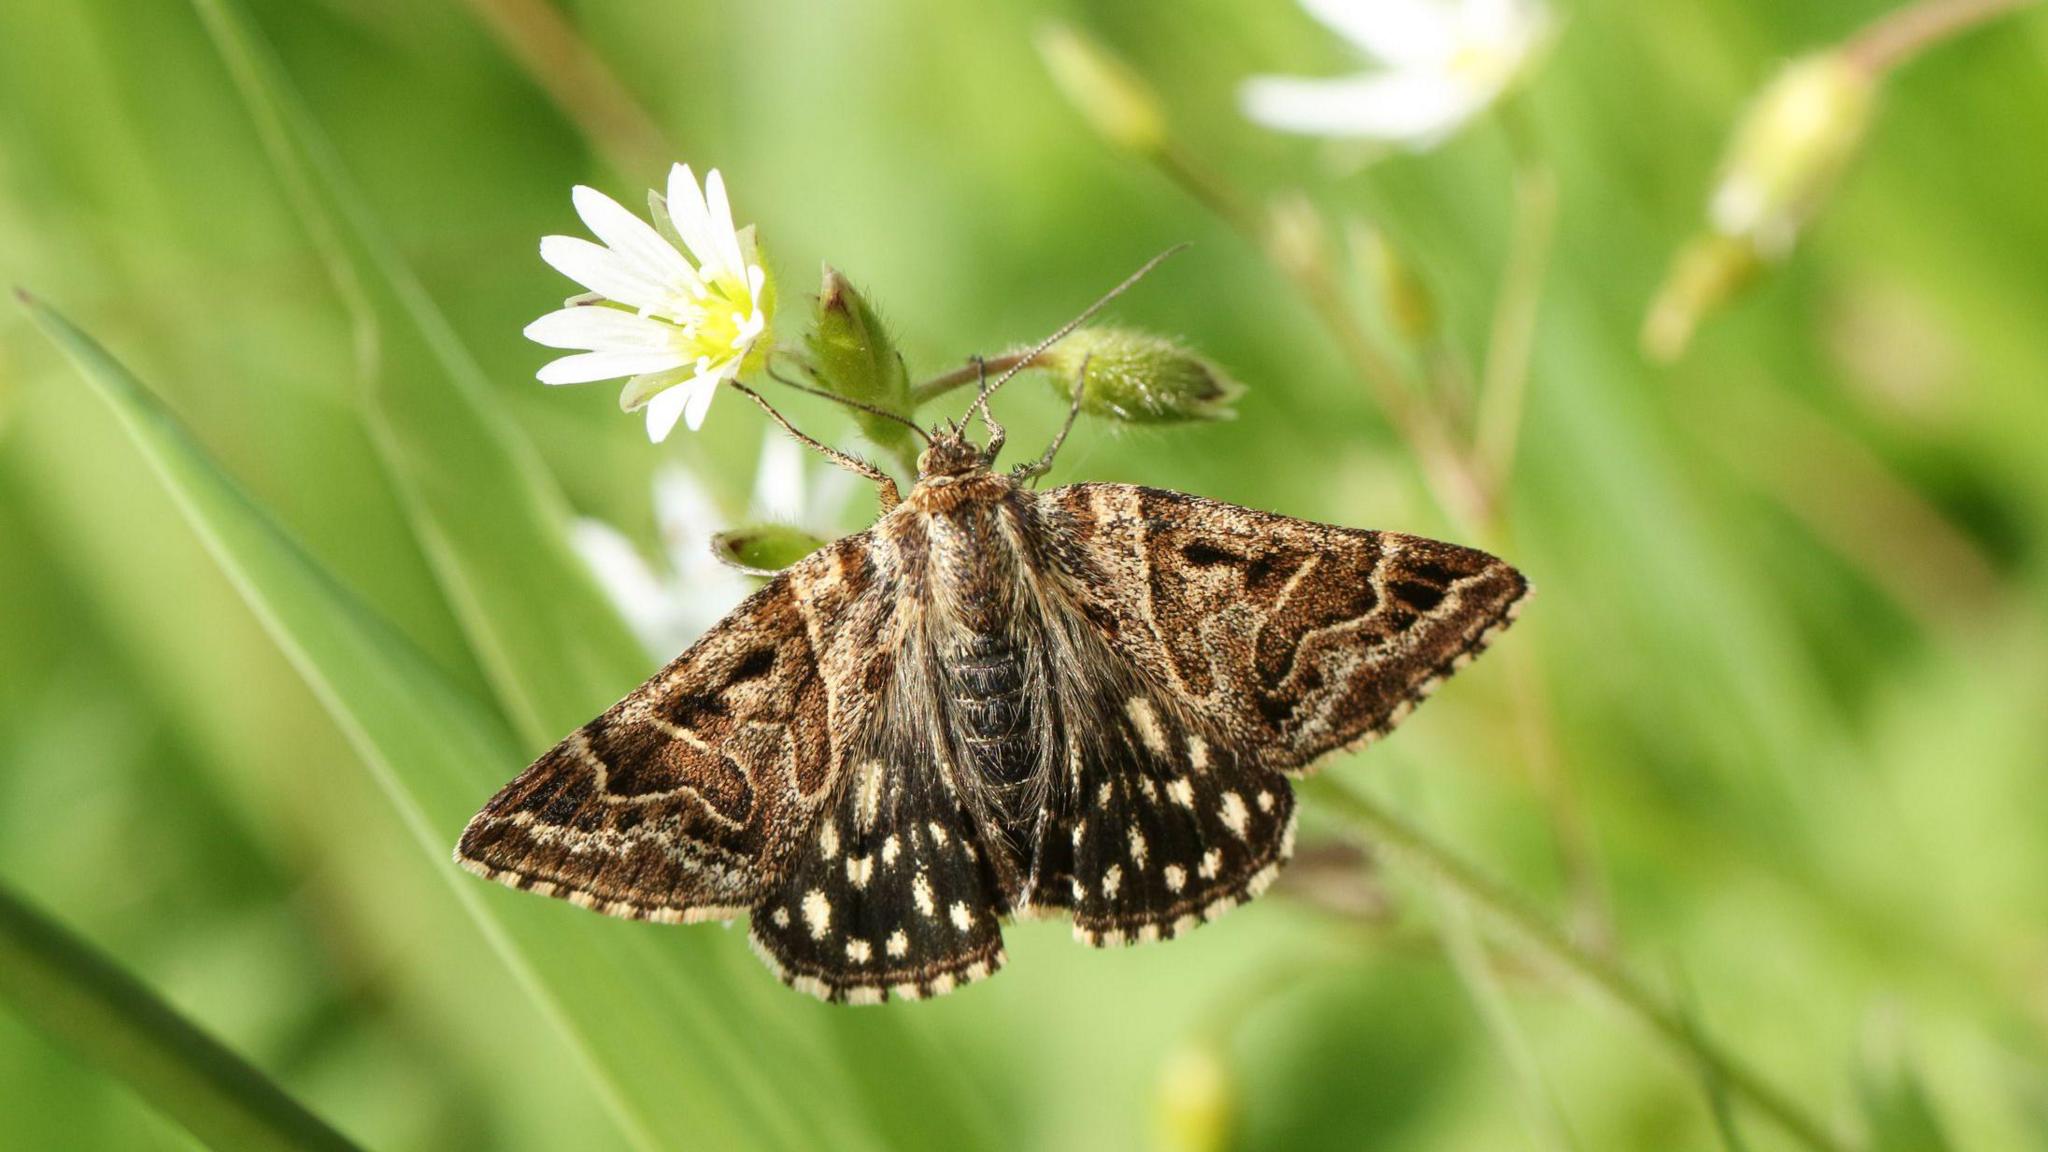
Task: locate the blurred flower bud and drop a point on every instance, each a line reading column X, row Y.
column 1194, row 1102
column 1140, row 378
column 855, row 358
column 1116, row 102
column 1790, row 150
column 763, row 549
column 1788, row 153
column 1411, row 309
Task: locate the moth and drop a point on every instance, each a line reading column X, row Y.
column 995, row 703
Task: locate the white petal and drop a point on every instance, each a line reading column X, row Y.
column 602, row 329
column 779, row 479
column 723, row 233
column 1417, row 108
column 628, row 582
column 664, row 410
column 701, row 391
column 629, row 236
column 687, row 516
column 609, row 274
column 1508, row 26
column 1396, row 31
column 584, row 367
column 692, row 219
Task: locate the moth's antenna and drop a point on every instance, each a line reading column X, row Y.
column 1044, row 463
column 884, row 483
column 849, row 402
column 1064, row 330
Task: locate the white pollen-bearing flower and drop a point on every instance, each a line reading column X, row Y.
column 1445, row 61
column 679, row 306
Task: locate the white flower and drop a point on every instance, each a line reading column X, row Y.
column 668, row 610
column 679, row 325
column 1445, row 61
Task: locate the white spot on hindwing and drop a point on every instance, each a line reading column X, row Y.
column 938, row 834
column 898, row 944
column 781, row 917
column 817, row 913
column 1265, row 801
column 1183, row 793
column 1176, row 877
column 921, row 892
column 1198, row 753
column 860, row 869
column 1080, row 829
column 1234, row 814
column 1146, row 721
column 1212, row 863
column 858, row 951
column 828, row 838
column 1112, row 880
column 962, row 918
column 890, row 848
column 1138, row 849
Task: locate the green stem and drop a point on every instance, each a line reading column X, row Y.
column 1505, row 384
column 937, row 386
column 81, row 999
column 1901, row 35
column 1444, row 467
column 1510, row 912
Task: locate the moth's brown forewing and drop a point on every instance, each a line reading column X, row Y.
column 995, row 702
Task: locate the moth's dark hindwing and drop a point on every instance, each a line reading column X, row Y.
column 891, row 893
column 1157, row 827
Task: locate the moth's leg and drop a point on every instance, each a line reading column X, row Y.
column 885, row 484
column 1044, row 463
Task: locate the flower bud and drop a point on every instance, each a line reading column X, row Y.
column 763, row 549
column 1194, row 1104
column 1139, row 378
column 1790, row 149
column 1118, row 104
column 855, row 358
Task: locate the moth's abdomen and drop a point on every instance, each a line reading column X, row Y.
column 991, row 709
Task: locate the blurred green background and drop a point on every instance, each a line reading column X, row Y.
column 1789, row 628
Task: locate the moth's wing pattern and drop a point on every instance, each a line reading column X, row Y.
column 892, row 892
column 1157, row 826
column 1220, row 648
column 684, row 801
column 1294, row 639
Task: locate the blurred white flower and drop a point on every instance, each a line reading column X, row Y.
column 679, row 325
column 1445, row 61
column 669, row 609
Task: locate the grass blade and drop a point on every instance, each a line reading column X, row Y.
column 84, row 1001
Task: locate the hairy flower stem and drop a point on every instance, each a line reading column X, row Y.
column 1510, row 912
column 1901, row 35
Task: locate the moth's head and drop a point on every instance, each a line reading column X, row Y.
column 951, row 454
